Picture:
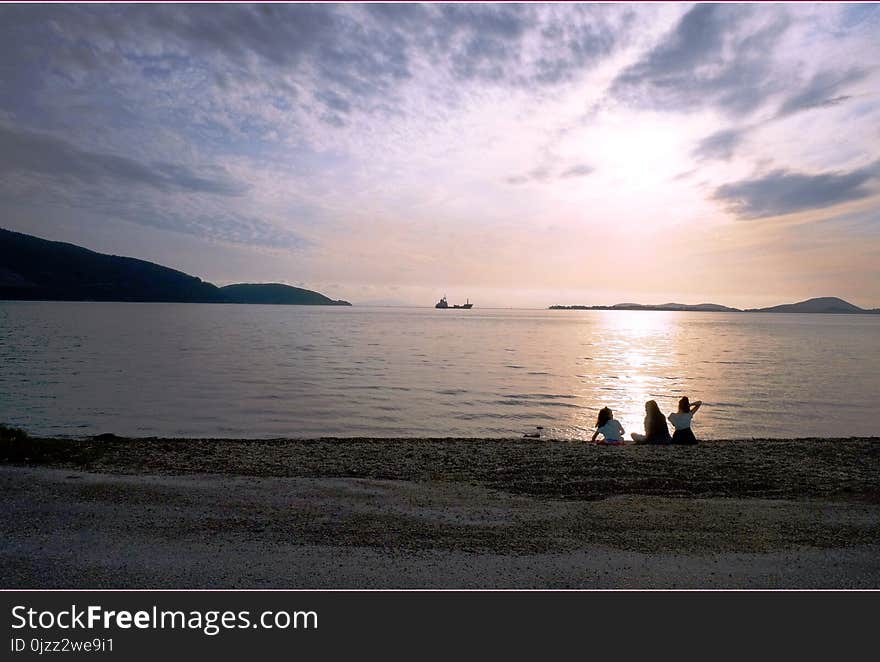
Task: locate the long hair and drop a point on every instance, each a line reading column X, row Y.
column 605, row 415
column 655, row 422
column 684, row 405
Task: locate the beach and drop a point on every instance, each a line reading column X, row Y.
column 439, row 513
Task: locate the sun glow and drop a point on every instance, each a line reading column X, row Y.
column 643, row 341
column 644, row 151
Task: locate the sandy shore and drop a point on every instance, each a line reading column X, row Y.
column 440, row 513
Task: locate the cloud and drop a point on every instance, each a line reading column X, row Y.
column 578, row 170
column 524, row 45
column 27, row 151
column 330, row 118
column 539, row 174
column 718, row 55
column 719, row 145
column 579, row 44
column 107, row 203
column 543, row 173
column 39, row 169
column 823, row 90
column 216, row 224
column 334, row 101
column 483, row 41
column 321, row 48
column 783, row 192
column 344, row 58
column 687, row 174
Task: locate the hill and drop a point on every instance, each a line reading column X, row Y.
column 33, row 268
column 817, row 305
column 41, row 270
column 276, row 293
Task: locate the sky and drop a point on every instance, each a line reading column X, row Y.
column 519, row 155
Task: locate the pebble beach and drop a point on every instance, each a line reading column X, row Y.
column 440, row 513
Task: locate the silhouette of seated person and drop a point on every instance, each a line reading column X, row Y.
column 681, row 420
column 656, row 430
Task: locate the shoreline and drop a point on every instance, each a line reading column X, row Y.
column 761, row 468
column 450, row 513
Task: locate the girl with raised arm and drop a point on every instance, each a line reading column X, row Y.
column 681, row 420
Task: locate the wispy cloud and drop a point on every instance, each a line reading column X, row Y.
column 536, row 175
column 27, row 151
column 362, row 137
column 719, row 145
column 340, row 57
column 783, row 192
column 718, row 55
column 545, row 173
column 823, row 90
column 149, row 194
column 577, row 170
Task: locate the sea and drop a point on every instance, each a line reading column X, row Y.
column 251, row 371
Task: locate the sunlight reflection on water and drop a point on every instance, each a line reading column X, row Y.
column 261, row 371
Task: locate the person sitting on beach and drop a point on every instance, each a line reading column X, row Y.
column 656, row 430
column 682, row 421
column 611, row 430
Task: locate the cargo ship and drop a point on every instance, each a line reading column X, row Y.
column 443, row 304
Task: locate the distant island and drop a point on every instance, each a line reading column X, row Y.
column 817, row 305
column 34, row 269
column 710, row 307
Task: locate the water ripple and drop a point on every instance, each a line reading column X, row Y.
column 274, row 371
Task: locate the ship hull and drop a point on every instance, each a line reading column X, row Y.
column 442, row 304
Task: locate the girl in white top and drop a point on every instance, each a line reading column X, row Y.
column 681, row 420
column 611, row 430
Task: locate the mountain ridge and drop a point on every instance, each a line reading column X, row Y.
column 36, row 269
column 822, row 305
column 276, row 294
column 814, row 305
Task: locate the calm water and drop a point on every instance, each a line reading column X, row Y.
column 263, row 371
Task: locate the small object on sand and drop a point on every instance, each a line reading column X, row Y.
column 534, row 435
